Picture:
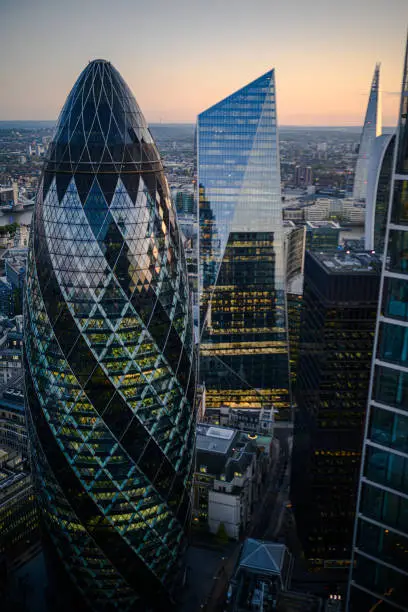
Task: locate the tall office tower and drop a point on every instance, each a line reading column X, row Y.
column 380, row 550
column 336, row 341
column 109, row 356
column 244, row 348
column 378, row 192
column 371, row 129
column 303, row 176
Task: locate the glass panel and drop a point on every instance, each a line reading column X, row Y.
column 391, row 387
column 395, row 298
column 400, row 203
column 402, row 159
column 381, row 579
column 387, row 468
column 398, row 251
column 388, row 508
column 393, row 343
column 389, row 429
column 383, row 544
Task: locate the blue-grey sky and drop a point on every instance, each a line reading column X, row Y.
column 181, row 56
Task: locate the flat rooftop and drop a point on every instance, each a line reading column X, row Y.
column 322, row 224
column 344, row 262
column 214, row 439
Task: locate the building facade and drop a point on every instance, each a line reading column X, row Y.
column 109, row 356
column 244, row 340
column 380, row 551
column 378, row 192
column 230, row 473
column 336, row 342
column 322, row 235
column 371, row 129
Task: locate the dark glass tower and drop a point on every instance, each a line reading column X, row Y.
column 378, row 192
column 336, row 342
column 244, row 347
column 109, row 356
column 379, row 578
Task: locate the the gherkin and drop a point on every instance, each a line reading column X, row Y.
column 109, row 355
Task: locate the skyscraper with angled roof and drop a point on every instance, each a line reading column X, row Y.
column 244, row 341
column 371, row 129
column 379, row 575
column 109, row 356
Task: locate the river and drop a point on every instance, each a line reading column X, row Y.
column 23, row 218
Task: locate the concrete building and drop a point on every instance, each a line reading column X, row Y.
column 318, row 211
column 295, row 214
column 353, row 212
column 254, row 421
column 9, row 195
column 230, row 472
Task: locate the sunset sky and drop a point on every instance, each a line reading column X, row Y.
column 181, row 56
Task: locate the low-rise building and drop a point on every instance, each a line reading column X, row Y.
column 249, row 420
column 262, row 582
column 230, row 474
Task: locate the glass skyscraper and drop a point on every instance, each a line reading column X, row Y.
column 244, row 341
column 371, row 129
column 378, row 192
column 380, row 554
column 109, row 355
column 337, row 326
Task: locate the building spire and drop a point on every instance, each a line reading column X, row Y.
column 371, row 129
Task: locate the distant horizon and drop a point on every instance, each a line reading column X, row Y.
column 51, row 122
column 323, row 53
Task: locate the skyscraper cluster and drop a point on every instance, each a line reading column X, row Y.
column 112, row 364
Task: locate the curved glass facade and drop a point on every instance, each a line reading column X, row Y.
column 380, row 573
column 378, row 192
column 244, row 348
column 109, row 355
column 371, row 129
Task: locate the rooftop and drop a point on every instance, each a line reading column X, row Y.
column 262, row 557
column 322, row 224
column 344, row 262
column 214, row 439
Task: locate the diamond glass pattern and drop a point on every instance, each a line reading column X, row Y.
column 110, row 363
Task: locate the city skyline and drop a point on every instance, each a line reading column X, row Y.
column 197, row 56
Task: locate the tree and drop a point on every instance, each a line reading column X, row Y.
column 222, row 534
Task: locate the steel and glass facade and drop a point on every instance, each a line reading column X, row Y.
column 380, row 554
column 371, row 129
column 244, row 342
column 337, row 326
column 109, row 355
column 378, row 192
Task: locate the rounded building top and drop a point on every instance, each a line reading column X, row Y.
column 101, row 127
